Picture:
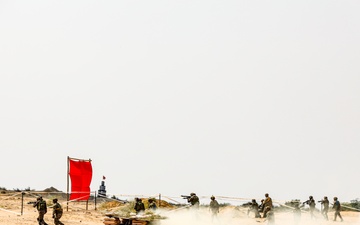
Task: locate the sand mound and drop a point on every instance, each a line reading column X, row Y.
column 51, row 189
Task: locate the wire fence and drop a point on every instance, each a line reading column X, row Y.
column 29, row 197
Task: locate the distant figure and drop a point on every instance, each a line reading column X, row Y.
column 261, row 206
column 325, row 207
column 152, row 204
column 214, row 207
column 41, row 207
column 337, row 208
column 194, row 200
column 139, row 206
column 311, row 203
column 57, row 212
column 254, row 207
column 297, row 214
column 102, row 189
column 267, row 205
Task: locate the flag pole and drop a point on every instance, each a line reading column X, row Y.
column 67, row 202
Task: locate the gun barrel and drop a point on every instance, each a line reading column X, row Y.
column 185, row 196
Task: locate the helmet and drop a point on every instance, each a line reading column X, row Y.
column 192, row 194
column 310, row 197
column 212, row 197
column 55, row 200
column 325, row 197
column 39, row 198
column 253, row 200
column 335, row 198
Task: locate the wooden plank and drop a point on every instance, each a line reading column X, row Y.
column 138, row 222
column 114, row 222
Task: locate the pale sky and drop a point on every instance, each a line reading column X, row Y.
column 227, row 98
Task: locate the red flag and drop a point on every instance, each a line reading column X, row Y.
column 81, row 175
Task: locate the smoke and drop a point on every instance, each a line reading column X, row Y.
column 227, row 216
column 231, row 215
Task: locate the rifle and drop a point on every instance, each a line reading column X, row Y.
column 306, row 202
column 33, row 203
column 186, row 197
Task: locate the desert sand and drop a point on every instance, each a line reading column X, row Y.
column 75, row 213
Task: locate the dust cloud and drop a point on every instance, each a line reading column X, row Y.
column 236, row 215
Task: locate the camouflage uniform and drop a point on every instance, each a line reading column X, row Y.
column 214, row 206
column 261, row 206
column 194, row 200
column 325, row 207
column 311, row 203
column 57, row 213
column 267, row 205
column 254, row 207
column 152, row 204
column 337, row 208
column 40, row 205
column 139, row 206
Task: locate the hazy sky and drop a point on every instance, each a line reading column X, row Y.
column 228, row 98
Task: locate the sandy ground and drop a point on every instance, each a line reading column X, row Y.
column 10, row 214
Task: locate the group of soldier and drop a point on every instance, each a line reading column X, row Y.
column 325, row 204
column 214, row 207
column 266, row 207
column 41, row 207
column 139, row 206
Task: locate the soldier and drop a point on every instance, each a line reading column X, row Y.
column 40, row 205
column 267, row 204
column 261, row 206
column 311, row 203
column 214, row 207
column 139, row 206
column 57, row 212
column 254, row 207
column 194, row 200
column 337, row 208
column 325, row 207
column 152, row 204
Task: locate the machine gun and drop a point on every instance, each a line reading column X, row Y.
column 186, row 197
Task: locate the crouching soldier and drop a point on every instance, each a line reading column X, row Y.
column 254, row 207
column 57, row 212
